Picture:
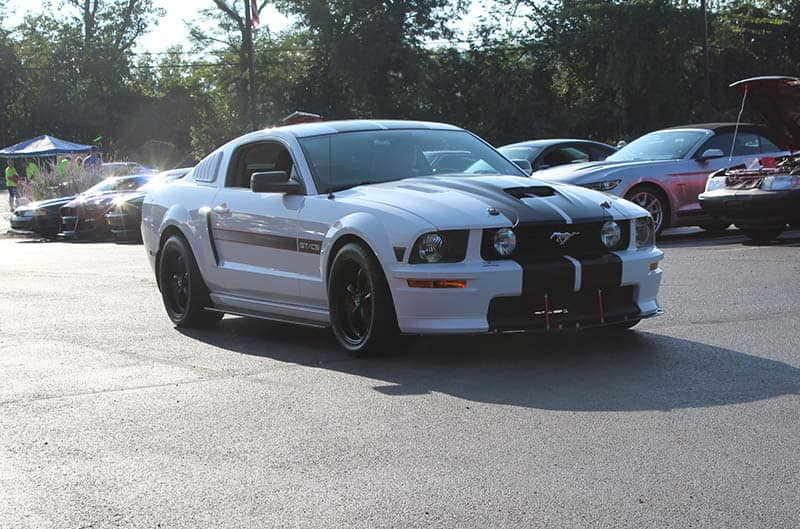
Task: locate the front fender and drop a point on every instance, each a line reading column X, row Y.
column 366, row 227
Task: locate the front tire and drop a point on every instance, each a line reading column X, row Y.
column 654, row 201
column 361, row 307
column 183, row 290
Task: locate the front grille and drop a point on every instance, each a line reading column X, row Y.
column 563, row 309
column 535, row 241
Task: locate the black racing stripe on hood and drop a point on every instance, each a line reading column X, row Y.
column 577, row 205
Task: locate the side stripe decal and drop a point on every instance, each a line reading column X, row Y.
column 268, row 240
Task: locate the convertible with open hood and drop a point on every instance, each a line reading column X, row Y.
column 350, row 225
column 762, row 196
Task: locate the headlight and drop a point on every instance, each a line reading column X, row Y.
column 715, row 182
column 430, row 248
column 645, row 232
column 603, row 186
column 611, row 234
column 504, row 242
column 440, row 247
column 781, row 183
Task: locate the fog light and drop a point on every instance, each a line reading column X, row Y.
column 653, row 266
column 437, row 283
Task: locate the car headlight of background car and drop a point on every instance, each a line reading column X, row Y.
column 645, row 232
column 440, row 247
column 781, row 183
column 603, row 186
column 715, row 182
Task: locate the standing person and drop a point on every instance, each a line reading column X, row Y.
column 32, row 171
column 93, row 161
column 62, row 166
column 12, row 179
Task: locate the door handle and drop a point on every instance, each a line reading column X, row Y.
column 222, row 210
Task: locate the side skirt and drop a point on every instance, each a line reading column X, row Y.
column 267, row 310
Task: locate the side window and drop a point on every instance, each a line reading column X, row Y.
column 600, row 153
column 720, row 141
column 564, row 155
column 746, row 144
column 256, row 158
column 767, row 146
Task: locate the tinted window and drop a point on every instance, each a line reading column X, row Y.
column 258, row 158
column 565, row 155
column 599, row 152
column 660, row 145
column 747, row 144
column 521, row 153
column 343, row 160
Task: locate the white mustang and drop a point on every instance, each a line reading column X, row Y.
column 380, row 227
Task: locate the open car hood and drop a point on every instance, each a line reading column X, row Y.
column 778, row 100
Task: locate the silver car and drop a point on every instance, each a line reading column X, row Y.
column 664, row 171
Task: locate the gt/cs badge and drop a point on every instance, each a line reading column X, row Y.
column 561, row 237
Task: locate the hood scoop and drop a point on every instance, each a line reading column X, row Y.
column 530, row 192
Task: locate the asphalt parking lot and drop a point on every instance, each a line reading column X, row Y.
column 110, row 417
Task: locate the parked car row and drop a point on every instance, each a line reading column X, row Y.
column 109, row 208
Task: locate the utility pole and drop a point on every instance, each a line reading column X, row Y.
column 248, row 44
column 706, row 67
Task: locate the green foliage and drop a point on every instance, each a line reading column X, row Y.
column 605, row 69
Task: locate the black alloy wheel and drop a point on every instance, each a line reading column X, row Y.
column 183, row 290
column 361, row 307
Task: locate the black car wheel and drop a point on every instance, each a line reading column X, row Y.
column 183, row 290
column 654, row 201
column 361, row 307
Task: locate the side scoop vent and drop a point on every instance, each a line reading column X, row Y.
column 530, row 192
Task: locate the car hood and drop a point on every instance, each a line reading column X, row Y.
column 592, row 172
column 777, row 99
column 457, row 202
column 99, row 198
column 50, row 204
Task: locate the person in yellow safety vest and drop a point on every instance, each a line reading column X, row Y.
column 62, row 166
column 32, row 171
column 12, row 179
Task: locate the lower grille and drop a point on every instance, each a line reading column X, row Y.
column 563, row 310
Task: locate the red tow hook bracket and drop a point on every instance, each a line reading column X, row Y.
column 546, row 312
column 600, row 303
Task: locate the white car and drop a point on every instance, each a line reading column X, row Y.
column 346, row 225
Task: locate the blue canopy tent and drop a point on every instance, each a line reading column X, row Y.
column 42, row 146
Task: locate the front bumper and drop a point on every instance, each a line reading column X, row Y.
column 44, row 225
column 494, row 299
column 125, row 225
column 750, row 207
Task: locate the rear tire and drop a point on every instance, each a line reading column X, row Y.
column 361, row 307
column 183, row 290
column 654, row 201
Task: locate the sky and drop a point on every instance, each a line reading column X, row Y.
column 171, row 29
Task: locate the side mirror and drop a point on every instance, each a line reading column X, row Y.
column 708, row 154
column 274, row 182
column 525, row 165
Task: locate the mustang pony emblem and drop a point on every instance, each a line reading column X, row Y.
column 561, row 237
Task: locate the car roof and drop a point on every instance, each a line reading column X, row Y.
column 305, row 130
column 721, row 127
column 553, row 141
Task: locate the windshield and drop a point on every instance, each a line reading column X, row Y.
column 521, row 153
column 118, row 184
column 343, row 160
column 661, row 145
column 163, row 178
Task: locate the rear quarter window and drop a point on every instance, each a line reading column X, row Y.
column 208, row 168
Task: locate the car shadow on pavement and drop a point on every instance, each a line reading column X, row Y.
column 591, row 371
